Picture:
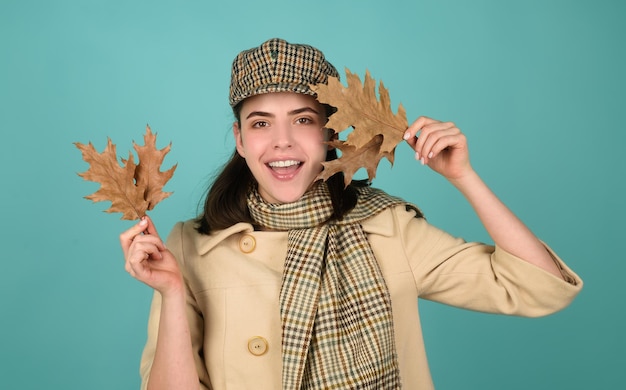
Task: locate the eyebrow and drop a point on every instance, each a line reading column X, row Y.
column 292, row 112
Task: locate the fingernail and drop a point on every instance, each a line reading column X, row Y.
column 417, row 155
column 406, row 135
column 422, row 160
column 430, row 155
column 143, row 222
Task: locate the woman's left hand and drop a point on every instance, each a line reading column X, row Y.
column 441, row 146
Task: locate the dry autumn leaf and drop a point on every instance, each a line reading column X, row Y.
column 352, row 159
column 370, row 118
column 131, row 188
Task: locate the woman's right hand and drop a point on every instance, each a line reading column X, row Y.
column 148, row 260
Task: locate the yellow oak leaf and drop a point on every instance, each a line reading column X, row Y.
column 131, row 188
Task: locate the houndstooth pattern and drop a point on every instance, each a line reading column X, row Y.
column 278, row 66
column 335, row 306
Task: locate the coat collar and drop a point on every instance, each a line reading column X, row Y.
column 381, row 224
column 205, row 243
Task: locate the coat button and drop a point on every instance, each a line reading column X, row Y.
column 257, row 345
column 247, row 243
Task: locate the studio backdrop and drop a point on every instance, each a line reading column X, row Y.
column 537, row 86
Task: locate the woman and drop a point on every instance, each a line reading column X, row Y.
column 288, row 282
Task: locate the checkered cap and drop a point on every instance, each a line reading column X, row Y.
column 278, row 66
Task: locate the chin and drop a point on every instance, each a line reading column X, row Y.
column 287, row 194
column 288, row 197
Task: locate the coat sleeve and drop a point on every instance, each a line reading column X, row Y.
column 196, row 323
column 481, row 277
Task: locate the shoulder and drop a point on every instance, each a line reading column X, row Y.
column 371, row 201
column 393, row 219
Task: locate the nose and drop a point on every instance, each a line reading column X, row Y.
column 282, row 136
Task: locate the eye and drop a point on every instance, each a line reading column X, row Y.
column 304, row 121
column 259, row 124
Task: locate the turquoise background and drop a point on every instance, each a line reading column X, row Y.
column 537, row 86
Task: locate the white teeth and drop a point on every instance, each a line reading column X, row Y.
column 283, row 164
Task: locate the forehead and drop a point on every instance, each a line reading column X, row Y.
column 279, row 102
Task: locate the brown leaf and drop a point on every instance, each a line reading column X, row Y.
column 357, row 107
column 376, row 129
column 131, row 188
column 353, row 158
column 148, row 175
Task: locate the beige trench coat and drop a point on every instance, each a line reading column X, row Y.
column 234, row 277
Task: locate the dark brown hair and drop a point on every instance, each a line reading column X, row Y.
column 226, row 199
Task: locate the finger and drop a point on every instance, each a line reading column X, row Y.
column 151, row 228
column 151, row 245
column 431, row 138
column 418, row 133
column 142, row 258
column 138, row 270
column 448, row 142
column 134, row 264
column 128, row 268
column 430, row 133
column 416, row 126
column 127, row 237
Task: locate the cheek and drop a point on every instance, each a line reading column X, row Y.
column 321, row 147
column 250, row 146
column 327, row 135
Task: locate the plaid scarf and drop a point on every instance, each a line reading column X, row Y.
column 335, row 306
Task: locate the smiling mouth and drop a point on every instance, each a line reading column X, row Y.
column 284, row 164
column 284, row 169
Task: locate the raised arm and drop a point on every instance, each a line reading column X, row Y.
column 443, row 147
column 149, row 261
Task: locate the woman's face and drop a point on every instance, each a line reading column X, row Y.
column 281, row 137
